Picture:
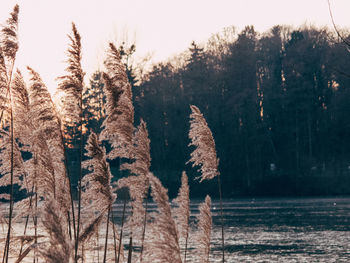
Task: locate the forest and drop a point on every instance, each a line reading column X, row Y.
column 277, row 103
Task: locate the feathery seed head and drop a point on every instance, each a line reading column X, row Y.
column 72, row 84
column 182, row 212
column 97, row 183
column 118, row 126
column 204, row 231
column 204, row 154
column 9, row 41
column 162, row 244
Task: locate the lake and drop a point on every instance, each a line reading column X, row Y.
column 284, row 230
column 276, row 230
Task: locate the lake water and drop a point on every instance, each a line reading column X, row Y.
column 284, row 230
column 277, row 230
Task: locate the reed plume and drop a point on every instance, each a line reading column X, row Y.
column 72, row 86
column 182, row 211
column 5, row 162
column 22, row 125
column 48, row 135
column 72, row 83
column 9, row 45
column 98, row 193
column 12, row 170
column 3, row 89
column 97, row 183
column 60, row 249
column 20, row 107
column 140, row 152
column 204, row 231
column 44, row 175
column 118, row 126
column 162, row 243
column 204, row 156
column 20, row 103
column 8, row 49
column 39, row 168
column 138, row 185
column 9, row 40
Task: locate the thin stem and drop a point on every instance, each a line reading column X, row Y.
column 69, row 226
column 27, row 218
column 7, row 245
column 144, row 226
column 114, row 238
column 7, row 248
column 222, row 221
column 36, row 226
column 106, row 240
column 98, row 249
column 335, row 27
column 68, row 176
column 121, row 230
column 80, row 175
column 24, row 233
column 82, row 252
column 186, row 247
column 130, row 249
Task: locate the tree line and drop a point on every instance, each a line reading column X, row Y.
column 277, row 103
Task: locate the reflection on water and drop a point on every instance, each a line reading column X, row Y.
column 285, row 230
column 276, row 230
column 279, row 230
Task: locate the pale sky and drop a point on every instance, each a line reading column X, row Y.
column 162, row 27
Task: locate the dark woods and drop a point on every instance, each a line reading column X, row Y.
column 277, row 104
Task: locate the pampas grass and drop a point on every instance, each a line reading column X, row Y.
column 3, row 88
column 162, row 242
column 9, row 40
column 204, row 156
column 72, row 85
column 60, row 246
column 204, row 231
column 9, row 45
column 32, row 125
column 44, row 113
column 118, row 126
column 98, row 192
column 182, row 211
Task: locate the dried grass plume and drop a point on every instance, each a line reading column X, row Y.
column 204, row 154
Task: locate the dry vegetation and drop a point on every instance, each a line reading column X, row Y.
column 53, row 228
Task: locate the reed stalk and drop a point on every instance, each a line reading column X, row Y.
column 130, row 249
column 106, row 240
column 205, row 157
column 79, row 188
column 144, row 226
column 121, row 230
column 7, row 244
column 221, row 221
column 114, row 239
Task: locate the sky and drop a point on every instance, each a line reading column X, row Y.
column 162, row 28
